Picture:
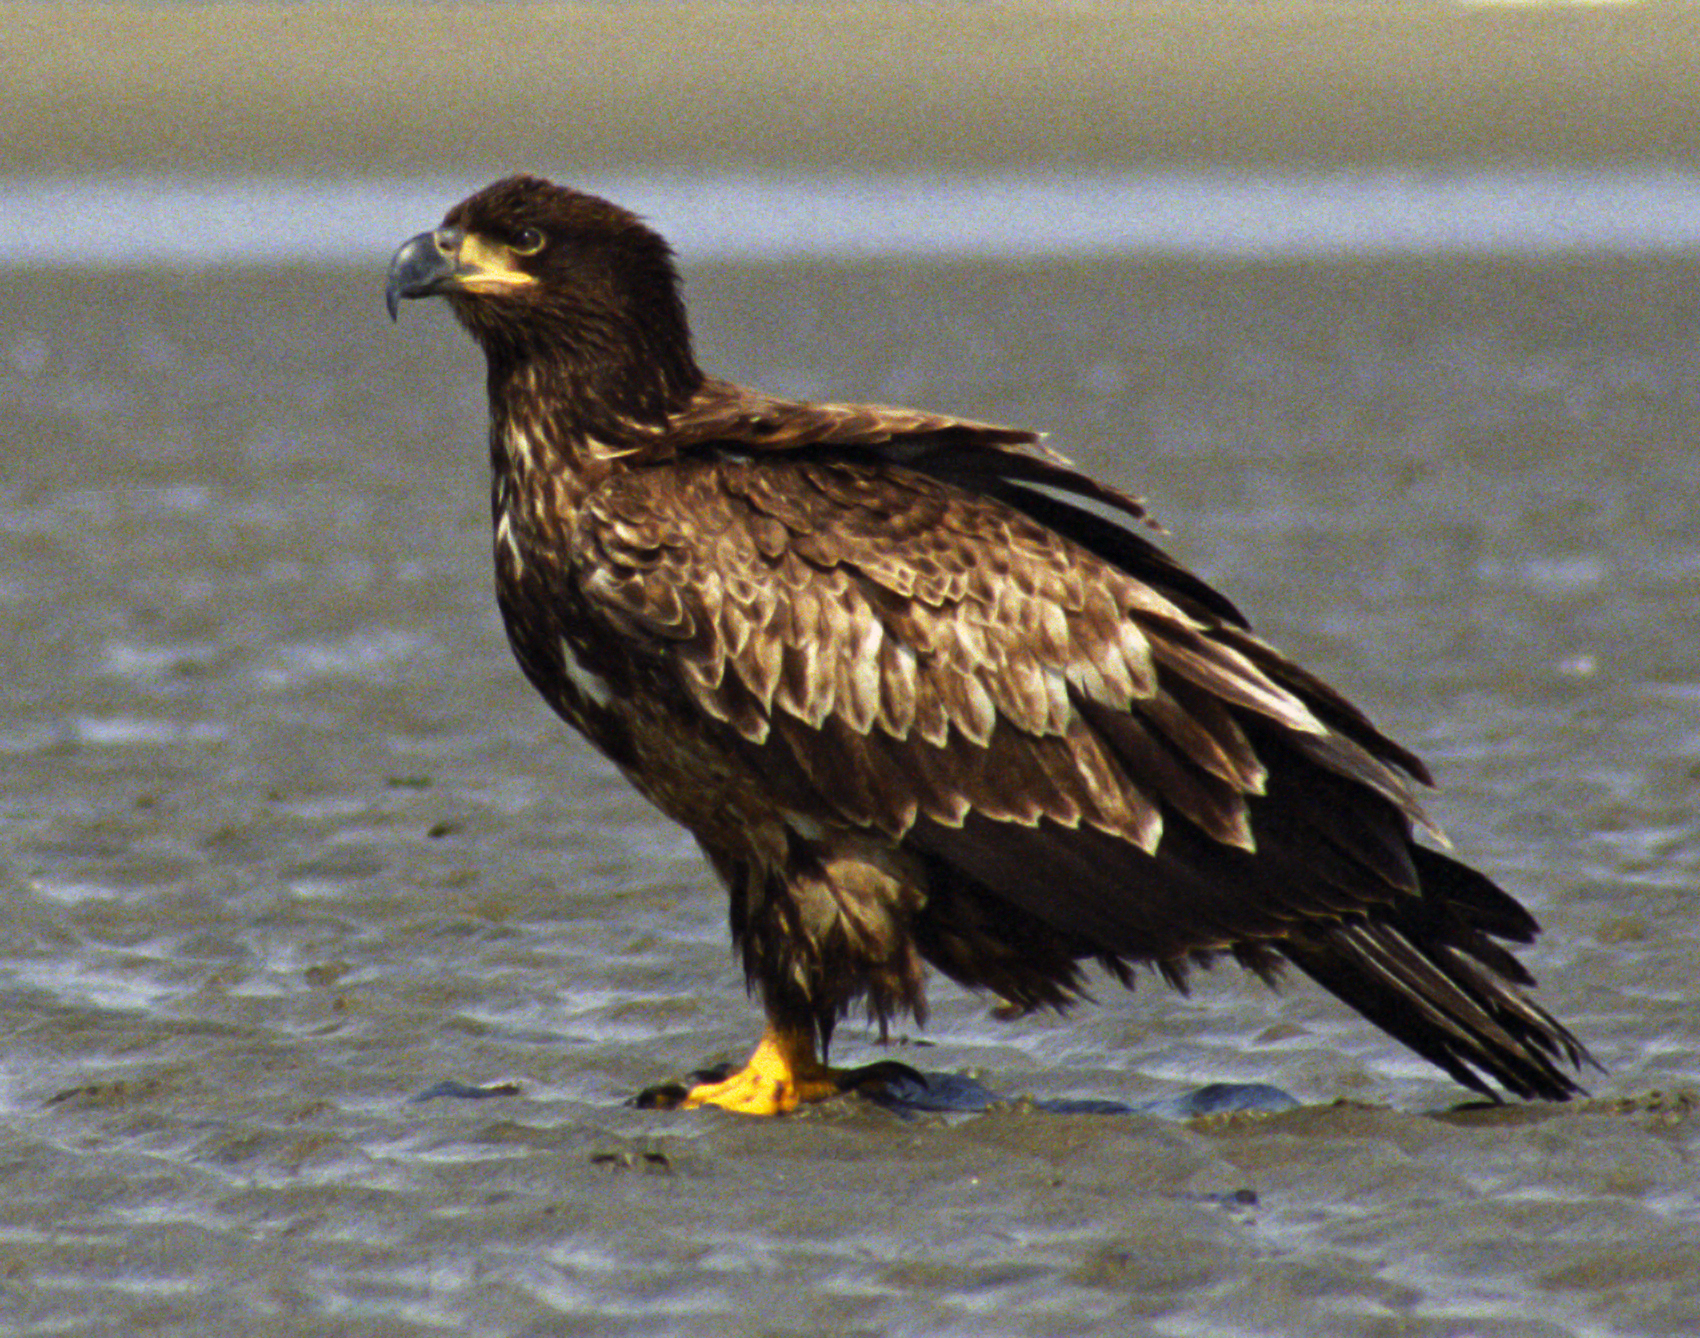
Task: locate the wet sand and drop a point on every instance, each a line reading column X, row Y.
column 469, row 89
column 287, row 842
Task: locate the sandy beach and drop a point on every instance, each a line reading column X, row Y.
column 411, row 89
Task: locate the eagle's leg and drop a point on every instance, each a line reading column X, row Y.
column 784, row 1072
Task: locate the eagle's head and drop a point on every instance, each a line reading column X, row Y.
column 552, row 278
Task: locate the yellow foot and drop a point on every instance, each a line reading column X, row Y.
column 781, row 1075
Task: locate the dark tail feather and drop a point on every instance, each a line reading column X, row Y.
column 1459, row 898
column 1428, row 974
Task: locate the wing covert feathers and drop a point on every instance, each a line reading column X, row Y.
column 944, row 641
column 898, row 614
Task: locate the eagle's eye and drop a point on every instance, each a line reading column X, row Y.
column 527, row 242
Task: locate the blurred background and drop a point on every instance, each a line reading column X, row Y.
column 1390, row 311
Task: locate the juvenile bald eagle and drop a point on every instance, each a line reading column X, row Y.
column 924, row 694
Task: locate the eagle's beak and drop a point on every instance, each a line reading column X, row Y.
column 424, row 265
column 452, row 259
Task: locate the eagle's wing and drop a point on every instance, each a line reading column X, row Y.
column 939, row 668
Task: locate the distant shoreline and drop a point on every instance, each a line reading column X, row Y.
column 839, row 218
column 296, row 89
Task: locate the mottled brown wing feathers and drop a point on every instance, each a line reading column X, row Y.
column 983, row 457
column 1218, row 808
column 722, row 414
column 1119, row 545
column 914, row 626
column 924, row 659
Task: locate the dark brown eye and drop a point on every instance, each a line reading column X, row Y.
column 527, row 242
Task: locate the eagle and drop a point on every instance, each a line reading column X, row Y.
column 926, row 695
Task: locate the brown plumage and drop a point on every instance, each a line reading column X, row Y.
column 927, row 695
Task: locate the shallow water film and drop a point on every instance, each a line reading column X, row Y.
column 287, row 844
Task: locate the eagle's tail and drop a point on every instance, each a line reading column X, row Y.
column 1428, row 973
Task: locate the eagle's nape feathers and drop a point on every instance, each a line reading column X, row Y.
column 927, row 695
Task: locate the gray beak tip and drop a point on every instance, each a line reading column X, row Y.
column 418, row 269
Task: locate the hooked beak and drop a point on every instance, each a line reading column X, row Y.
column 425, row 265
column 451, row 259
